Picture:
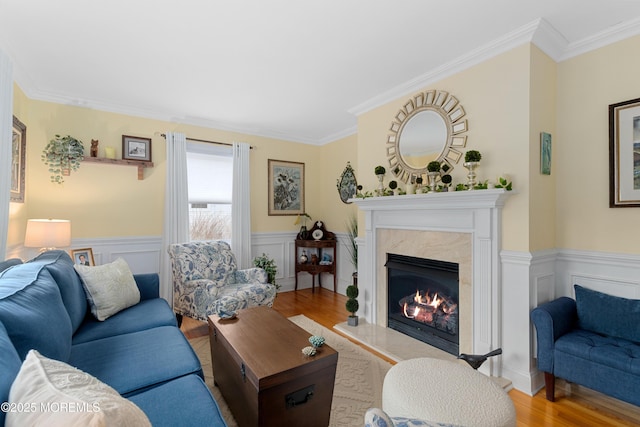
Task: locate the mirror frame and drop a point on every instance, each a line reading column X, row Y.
column 347, row 184
column 451, row 111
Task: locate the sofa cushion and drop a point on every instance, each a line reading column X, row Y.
column 138, row 360
column 608, row 314
column 110, row 287
column 613, row 352
column 10, row 367
column 146, row 314
column 33, row 313
column 9, row 263
column 198, row 408
column 73, row 397
column 60, row 265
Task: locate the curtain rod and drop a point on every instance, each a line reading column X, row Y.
column 207, row 141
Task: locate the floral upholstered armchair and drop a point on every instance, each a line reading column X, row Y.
column 206, row 281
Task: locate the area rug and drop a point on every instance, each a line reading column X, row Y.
column 358, row 383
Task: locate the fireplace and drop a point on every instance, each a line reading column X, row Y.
column 423, row 300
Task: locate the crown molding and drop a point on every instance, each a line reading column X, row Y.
column 623, row 30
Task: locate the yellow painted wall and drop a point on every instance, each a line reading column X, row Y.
column 334, row 158
column 542, row 189
column 108, row 200
column 587, row 84
column 495, row 96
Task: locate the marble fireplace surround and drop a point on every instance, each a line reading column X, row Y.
column 462, row 227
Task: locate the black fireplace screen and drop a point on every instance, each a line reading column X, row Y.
column 423, row 300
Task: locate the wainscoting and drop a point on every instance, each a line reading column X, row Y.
column 143, row 256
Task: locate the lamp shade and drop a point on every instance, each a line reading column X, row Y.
column 48, row 233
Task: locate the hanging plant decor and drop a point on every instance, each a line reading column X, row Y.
column 63, row 155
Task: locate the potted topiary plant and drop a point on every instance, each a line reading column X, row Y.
column 419, row 189
column 433, row 173
column 393, row 185
column 380, row 171
column 472, row 156
column 269, row 265
column 352, row 305
column 446, row 180
column 471, row 161
column 63, row 155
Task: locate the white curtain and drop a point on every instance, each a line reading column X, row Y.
column 241, row 206
column 6, row 125
column 176, row 207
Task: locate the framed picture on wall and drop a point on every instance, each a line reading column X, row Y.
column 83, row 256
column 134, row 148
column 624, row 154
column 286, row 187
column 18, row 147
column 545, row 153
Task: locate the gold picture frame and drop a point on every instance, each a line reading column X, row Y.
column 83, row 256
column 286, row 187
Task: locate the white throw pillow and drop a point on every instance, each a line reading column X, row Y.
column 52, row 393
column 110, row 287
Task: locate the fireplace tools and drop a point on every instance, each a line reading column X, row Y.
column 476, row 360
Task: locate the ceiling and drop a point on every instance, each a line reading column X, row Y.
column 288, row 69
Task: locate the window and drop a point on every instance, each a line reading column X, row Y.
column 210, row 175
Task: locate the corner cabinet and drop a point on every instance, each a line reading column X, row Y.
column 319, row 248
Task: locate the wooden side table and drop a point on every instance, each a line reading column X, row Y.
column 316, row 269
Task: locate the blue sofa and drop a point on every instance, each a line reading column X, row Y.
column 139, row 352
column 593, row 341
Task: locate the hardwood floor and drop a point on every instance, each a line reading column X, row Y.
column 574, row 406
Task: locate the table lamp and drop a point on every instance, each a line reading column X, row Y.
column 48, row 234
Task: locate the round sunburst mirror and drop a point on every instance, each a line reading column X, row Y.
column 430, row 126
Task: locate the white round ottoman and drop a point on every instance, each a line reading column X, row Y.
column 445, row 392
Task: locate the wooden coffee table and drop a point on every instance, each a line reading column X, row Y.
column 262, row 374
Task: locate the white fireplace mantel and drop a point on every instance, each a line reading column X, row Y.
column 476, row 212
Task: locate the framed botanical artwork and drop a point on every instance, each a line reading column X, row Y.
column 286, row 187
column 624, row 154
column 18, row 147
column 545, row 153
column 135, row 148
column 83, row 256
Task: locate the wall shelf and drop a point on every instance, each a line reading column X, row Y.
column 141, row 165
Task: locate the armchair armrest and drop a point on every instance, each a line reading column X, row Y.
column 251, row 275
column 149, row 285
column 552, row 320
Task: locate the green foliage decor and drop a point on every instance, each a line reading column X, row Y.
column 269, row 265
column 352, row 303
column 352, row 246
column 472, row 156
column 380, row 170
column 393, row 185
column 62, row 154
column 433, row 166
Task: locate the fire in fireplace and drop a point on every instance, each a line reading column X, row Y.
column 423, row 300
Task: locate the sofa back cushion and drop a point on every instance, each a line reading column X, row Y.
column 9, row 263
column 10, row 367
column 60, row 265
column 33, row 313
column 607, row 314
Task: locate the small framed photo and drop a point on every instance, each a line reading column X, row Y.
column 286, row 187
column 545, row 153
column 624, row 154
column 83, row 257
column 135, row 148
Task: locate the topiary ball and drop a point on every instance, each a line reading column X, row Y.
column 352, row 291
column 352, row 305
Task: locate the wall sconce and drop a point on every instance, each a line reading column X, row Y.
column 48, row 234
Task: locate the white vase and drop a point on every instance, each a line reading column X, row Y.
column 433, row 180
